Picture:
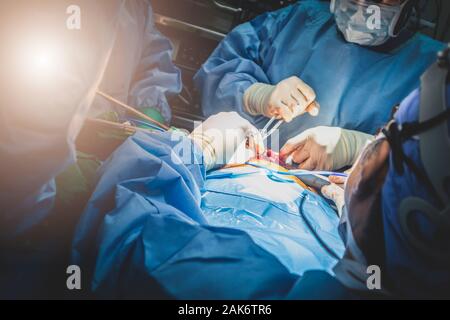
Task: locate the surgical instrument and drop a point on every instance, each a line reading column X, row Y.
column 115, row 125
column 301, row 172
column 266, row 132
column 132, row 110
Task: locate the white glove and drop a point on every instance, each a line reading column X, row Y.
column 287, row 100
column 227, row 138
column 335, row 192
column 325, row 148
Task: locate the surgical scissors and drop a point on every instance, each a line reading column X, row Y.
column 266, row 132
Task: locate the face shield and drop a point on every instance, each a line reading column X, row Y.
column 367, row 23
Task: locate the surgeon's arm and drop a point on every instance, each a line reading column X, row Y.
column 237, row 63
column 156, row 77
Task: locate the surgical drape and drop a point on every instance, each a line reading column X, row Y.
column 156, row 226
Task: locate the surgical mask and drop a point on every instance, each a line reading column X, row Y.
column 366, row 23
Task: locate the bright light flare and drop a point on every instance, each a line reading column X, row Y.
column 39, row 63
column 42, row 62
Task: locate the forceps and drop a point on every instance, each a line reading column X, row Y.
column 266, row 132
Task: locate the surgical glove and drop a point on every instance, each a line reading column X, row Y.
column 287, row 100
column 336, row 194
column 227, row 138
column 325, row 148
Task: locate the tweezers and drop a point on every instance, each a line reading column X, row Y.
column 266, row 132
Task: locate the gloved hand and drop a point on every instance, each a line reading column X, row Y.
column 287, row 100
column 335, row 193
column 227, row 138
column 325, row 148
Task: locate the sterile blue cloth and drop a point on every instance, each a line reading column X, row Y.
column 411, row 273
column 155, row 225
column 355, row 86
column 279, row 215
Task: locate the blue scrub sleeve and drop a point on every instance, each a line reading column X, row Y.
column 237, row 63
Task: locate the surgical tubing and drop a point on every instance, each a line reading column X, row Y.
column 315, row 234
column 145, row 123
column 300, row 172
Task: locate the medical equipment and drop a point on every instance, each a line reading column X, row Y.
column 266, row 132
column 132, row 110
column 353, row 18
column 315, row 181
column 300, row 172
column 129, row 129
column 432, row 133
column 312, row 179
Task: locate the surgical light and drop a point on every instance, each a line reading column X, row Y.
column 38, row 61
column 42, row 62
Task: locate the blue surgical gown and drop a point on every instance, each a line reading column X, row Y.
column 356, row 86
column 140, row 70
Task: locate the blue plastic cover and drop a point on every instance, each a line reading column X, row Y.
column 155, row 225
column 279, row 214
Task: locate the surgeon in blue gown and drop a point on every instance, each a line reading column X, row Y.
column 48, row 86
column 313, row 66
column 140, row 70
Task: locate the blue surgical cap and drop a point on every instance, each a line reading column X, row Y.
column 410, row 273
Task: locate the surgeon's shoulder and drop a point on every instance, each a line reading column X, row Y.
column 427, row 44
column 312, row 9
column 301, row 11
